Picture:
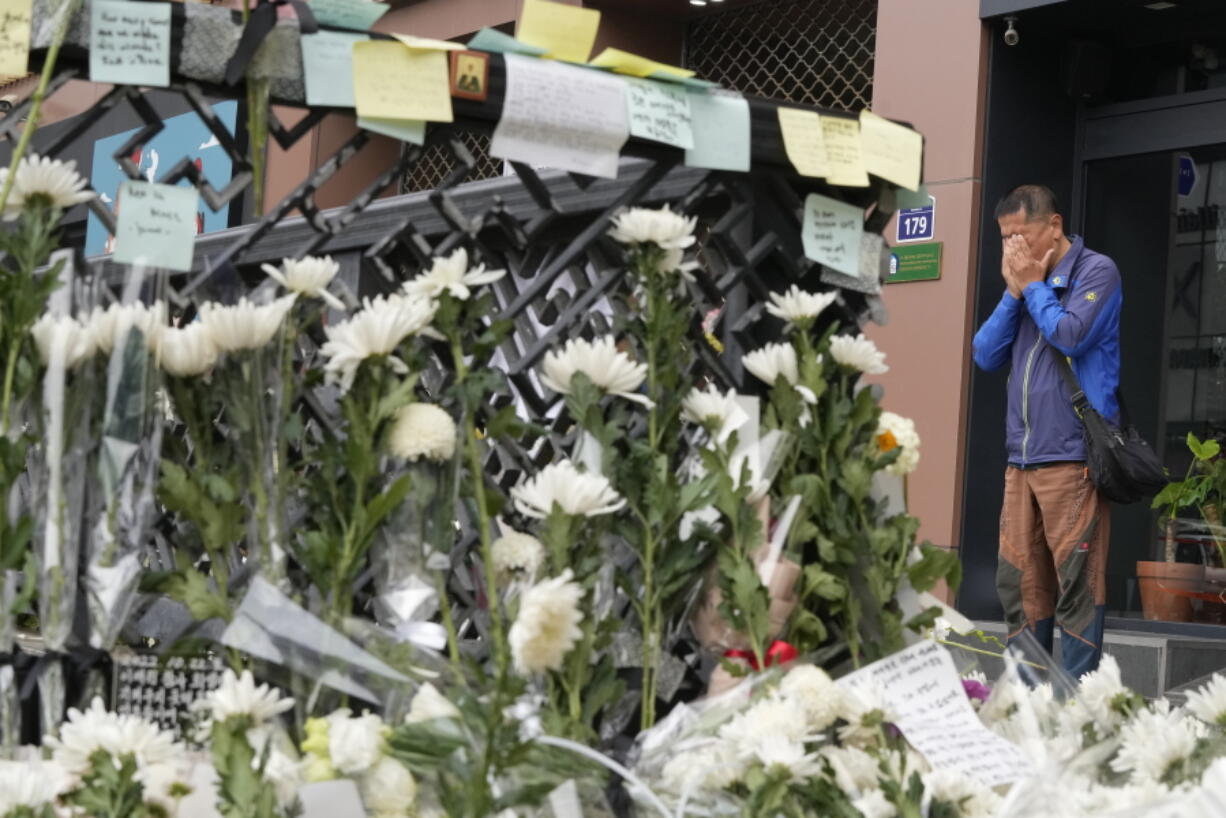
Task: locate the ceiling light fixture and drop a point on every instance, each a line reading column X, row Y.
column 1161, row 5
column 698, row 2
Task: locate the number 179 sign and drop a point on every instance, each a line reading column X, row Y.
column 917, row 223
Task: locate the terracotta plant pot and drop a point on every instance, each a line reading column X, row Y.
column 1159, row 579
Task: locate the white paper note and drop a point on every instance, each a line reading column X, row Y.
column 561, row 116
column 924, row 693
column 831, row 233
column 331, row 799
column 659, row 112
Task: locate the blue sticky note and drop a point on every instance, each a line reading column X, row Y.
column 327, row 62
column 358, row 15
column 406, row 130
column 491, row 39
column 720, row 125
column 157, row 225
column 129, row 43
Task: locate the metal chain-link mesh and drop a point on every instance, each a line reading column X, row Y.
column 436, row 164
column 815, row 52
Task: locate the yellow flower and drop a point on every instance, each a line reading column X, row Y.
column 886, row 441
column 316, row 740
column 319, row 768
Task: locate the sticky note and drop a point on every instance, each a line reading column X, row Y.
column 720, row 125
column 428, row 44
column 157, row 225
column 391, row 81
column 831, row 233
column 659, row 112
column 327, row 63
column 358, row 15
column 565, row 32
column 803, row 141
column 891, row 151
column 912, row 199
column 623, row 62
column 129, row 43
column 14, row 37
column 491, row 39
column 406, row 130
column 843, row 157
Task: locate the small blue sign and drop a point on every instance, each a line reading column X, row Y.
column 1187, row 175
column 917, row 223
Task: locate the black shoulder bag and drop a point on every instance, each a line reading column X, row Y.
column 1122, row 465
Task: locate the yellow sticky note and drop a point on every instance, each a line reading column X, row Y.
column 391, row 81
column 802, row 139
column 14, row 37
column 425, row 43
column 891, row 151
column 623, row 62
column 565, row 32
column 843, row 156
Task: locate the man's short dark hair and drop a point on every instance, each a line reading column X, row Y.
column 1036, row 201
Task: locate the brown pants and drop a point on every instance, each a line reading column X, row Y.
column 1054, row 532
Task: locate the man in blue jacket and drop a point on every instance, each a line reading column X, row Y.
column 1061, row 298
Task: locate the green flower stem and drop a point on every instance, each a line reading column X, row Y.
column 10, row 369
column 453, row 638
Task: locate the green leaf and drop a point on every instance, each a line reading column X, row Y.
column 193, row 589
column 935, row 564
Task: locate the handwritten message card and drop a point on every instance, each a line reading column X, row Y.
column 803, row 141
column 327, row 62
column 843, row 156
column 720, row 125
column 358, row 15
column 393, row 81
column 891, row 151
column 565, row 32
column 831, row 233
column 129, row 43
column 561, row 116
column 157, row 225
column 659, row 112
column 14, row 37
column 924, row 692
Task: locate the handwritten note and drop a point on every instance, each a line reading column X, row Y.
column 406, row 130
column 565, row 32
column 924, row 693
column 659, row 112
column 802, row 139
column 129, row 43
column 891, row 151
column 391, row 81
column 491, row 39
column 720, row 125
column 561, row 116
column 14, row 37
column 843, row 157
column 157, row 225
column 831, row 233
column 327, row 62
column 358, row 15
column 623, row 62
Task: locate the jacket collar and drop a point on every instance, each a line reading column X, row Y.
column 1061, row 275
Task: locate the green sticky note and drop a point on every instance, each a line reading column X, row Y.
column 157, row 225
column 659, row 112
column 358, row 15
column 129, row 43
column 327, row 62
column 720, row 126
column 406, row 130
column 831, row 233
column 911, row 199
column 491, row 39
column 693, row 82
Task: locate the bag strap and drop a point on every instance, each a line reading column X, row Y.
column 1078, row 395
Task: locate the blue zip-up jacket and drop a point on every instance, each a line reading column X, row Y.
column 1082, row 323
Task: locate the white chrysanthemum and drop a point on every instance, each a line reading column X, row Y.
column 796, row 306
column 1208, row 703
column 77, row 340
column 423, row 430
column 1100, row 694
column 858, row 353
column 110, row 327
column 30, row 785
column 718, row 412
column 547, row 625
column 284, row 773
column 86, row 732
column 309, row 276
column 601, row 361
column 778, row 751
column 573, row 491
column 771, row 362
column 377, row 329
column 1154, row 741
column 854, row 770
column 40, row 179
column 429, row 704
column 244, row 325
column 972, row 798
column 815, row 693
column 663, row 228
column 772, row 716
column 711, row 767
column 865, row 709
column 355, row 743
column 451, row 274
column 186, row 352
column 895, row 431
column 874, row 804
column 389, row 790
column 165, row 782
column 517, row 554
column 241, row 696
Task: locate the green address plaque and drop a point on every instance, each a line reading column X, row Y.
column 915, row 262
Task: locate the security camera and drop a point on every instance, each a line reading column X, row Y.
column 1011, row 35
